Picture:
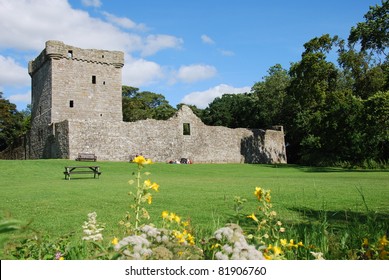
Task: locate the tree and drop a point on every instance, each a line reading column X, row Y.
column 232, row 110
column 373, row 34
column 312, row 80
column 376, row 115
column 144, row 105
column 11, row 123
column 269, row 96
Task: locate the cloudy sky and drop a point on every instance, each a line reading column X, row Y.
column 189, row 51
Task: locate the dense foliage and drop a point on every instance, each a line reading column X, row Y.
column 12, row 123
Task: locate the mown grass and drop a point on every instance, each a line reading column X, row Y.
column 36, row 192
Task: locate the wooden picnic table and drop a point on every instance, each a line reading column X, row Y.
column 95, row 170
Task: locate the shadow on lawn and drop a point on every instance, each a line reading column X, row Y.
column 335, row 219
column 305, row 168
column 341, row 217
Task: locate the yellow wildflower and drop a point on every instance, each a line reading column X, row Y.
column 177, row 219
column 165, row 214
column 190, row 239
column 365, row 242
column 185, row 224
column 384, row 241
column 61, row 258
column 267, row 256
column 147, row 183
column 283, row 242
column 252, row 216
column 214, row 246
column 300, row 244
column 154, row 186
column 115, row 241
column 277, row 250
column 140, row 160
column 149, row 199
column 292, row 244
column 258, row 193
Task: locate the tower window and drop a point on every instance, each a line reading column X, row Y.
column 186, row 128
column 93, row 79
column 70, row 54
column 71, row 103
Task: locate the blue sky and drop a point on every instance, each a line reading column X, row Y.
column 189, row 51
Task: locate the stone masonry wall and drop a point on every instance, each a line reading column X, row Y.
column 72, row 83
column 165, row 140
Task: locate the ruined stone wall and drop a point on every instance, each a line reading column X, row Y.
column 165, row 140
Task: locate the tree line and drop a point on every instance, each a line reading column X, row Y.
column 333, row 110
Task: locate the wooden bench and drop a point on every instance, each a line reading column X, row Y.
column 95, row 170
column 86, row 157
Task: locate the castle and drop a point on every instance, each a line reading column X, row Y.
column 77, row 108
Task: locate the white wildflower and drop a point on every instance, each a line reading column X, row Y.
column 318, row 255
column 236, row 247
column 92, row 230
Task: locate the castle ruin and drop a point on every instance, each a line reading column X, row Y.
column 77, row 108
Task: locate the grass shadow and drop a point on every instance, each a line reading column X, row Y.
column 344, row 218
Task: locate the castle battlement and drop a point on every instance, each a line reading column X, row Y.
column 58, row 50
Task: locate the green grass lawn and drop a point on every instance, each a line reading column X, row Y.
column 36, row 191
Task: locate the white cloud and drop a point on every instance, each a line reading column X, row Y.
column 124, row 22
column 207, row 40
column 140, row 72
column 202, row 98
column 155, row 43
column 21, row 98
column 91, row 3
column 195, row 72
column 27, row 25
column 12, row 74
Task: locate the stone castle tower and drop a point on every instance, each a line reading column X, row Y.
column 70, row 83
column 77, row 108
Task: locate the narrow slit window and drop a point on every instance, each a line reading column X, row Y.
column 186, row 128
column 71, row 103
column 93, row 79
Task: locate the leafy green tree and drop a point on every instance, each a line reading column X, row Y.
column 365, row 77
column 312, row 80
column 373, row 34
column 376, row 115
column 232, row 110
column 144, row 105
column 269, row 96
column 11, row 123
